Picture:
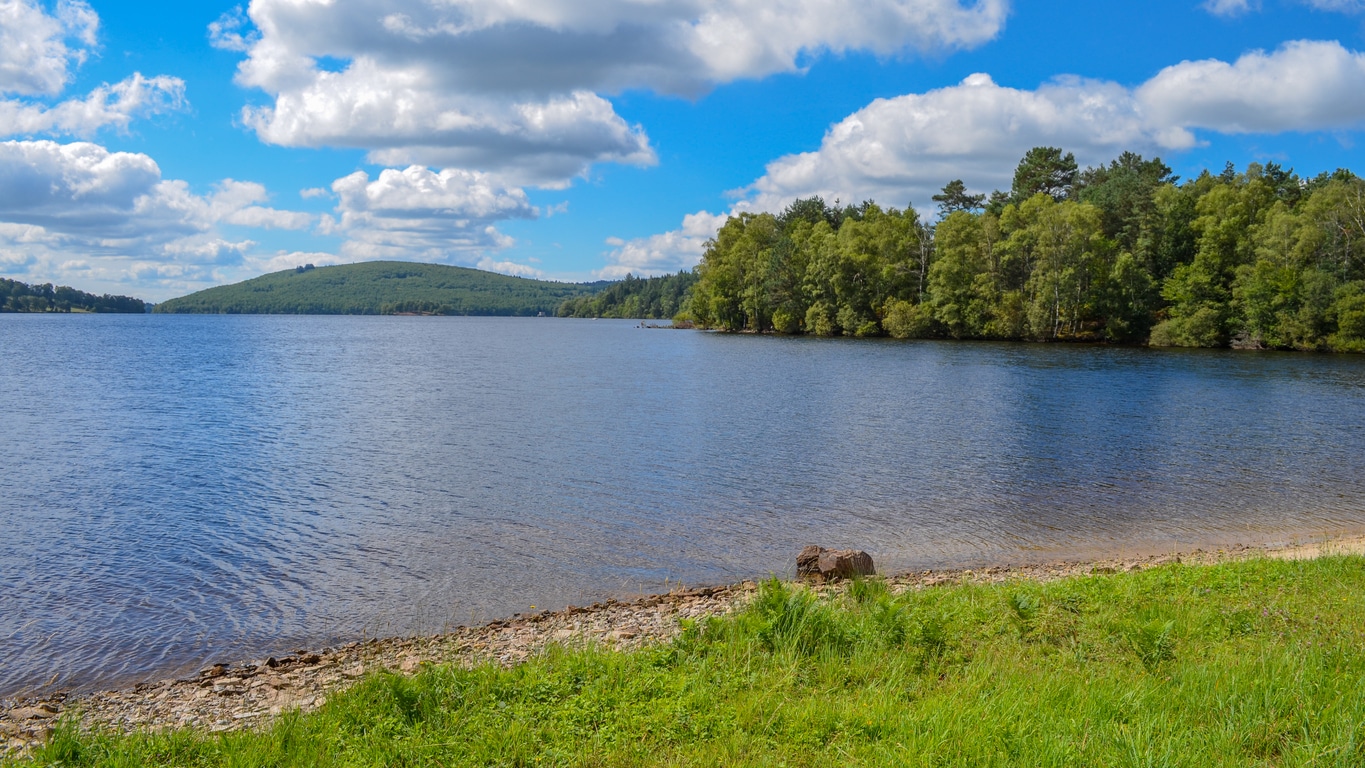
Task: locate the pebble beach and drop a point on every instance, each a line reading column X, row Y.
column 249, row 694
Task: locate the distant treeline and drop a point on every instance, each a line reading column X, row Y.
column 636, row 298
column 22, row 297
column 382, row 288
column 1124, row 252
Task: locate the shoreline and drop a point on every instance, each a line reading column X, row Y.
column 226, row 697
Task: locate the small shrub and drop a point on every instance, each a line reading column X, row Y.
column 904, row 320
column 851, row 321
column 820, row 320
column 786, row 322
column 867, row 329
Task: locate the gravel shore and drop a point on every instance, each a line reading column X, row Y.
column 247, row 695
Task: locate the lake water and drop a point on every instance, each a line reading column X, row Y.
column 177, row 490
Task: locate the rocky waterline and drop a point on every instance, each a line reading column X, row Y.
column 226, row 697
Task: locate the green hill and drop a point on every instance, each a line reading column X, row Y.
column 382, row 288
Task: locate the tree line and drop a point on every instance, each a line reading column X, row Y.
column 381, row 288
column 22, row 297
column 1124, row 252
column 651, row 298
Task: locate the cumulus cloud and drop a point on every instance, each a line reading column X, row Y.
column 109, row 199
column 402, row 117
column 674, row 46
column 516, row 87
column 116, row 199
column 38, row 50
column 128, row 224
column 1306, row 85
column 425, row 215
column 239, row 203
column 80, row 189
column 108, row 105
column 116, row 211
column 904, row 149
column 664, row 253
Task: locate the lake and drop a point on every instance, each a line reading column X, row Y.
column 178, row 490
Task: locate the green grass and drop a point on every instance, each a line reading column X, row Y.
column 1259, row 663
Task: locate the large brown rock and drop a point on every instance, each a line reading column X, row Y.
column 808, row 562
column 832, row 564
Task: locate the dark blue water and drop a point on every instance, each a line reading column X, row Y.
column 178, row 490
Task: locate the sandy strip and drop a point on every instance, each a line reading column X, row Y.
column 235, row 696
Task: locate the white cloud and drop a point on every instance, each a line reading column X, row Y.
column 238, row 202
column 37, row 51
column 905, row 149
column 664, row 253
column 35, row 55
column 226, row 33
column 108, row 105
column 208, row 250
column 1230, row 7
column 508, row 268
column 313, row 192
column 76, row 188
column 1306, row 85
column 291, row 259
column 546, row 46
column 402, row 118
column 1339, row 6
column 421, row 214
column 515, row 86
column 110, row 216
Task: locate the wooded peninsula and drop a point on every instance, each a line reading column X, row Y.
column 22, row 297
column 1122, row 253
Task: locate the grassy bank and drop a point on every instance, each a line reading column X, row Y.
column 1249, row 663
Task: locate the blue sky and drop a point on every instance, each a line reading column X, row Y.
column 158, row 148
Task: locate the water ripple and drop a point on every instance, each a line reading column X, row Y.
column 179, row 490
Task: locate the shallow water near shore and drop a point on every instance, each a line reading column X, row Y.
column 176, row 490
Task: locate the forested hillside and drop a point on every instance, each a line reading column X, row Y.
column 382, row 288
column 651, row 298
column 22, row 297
column 1124, row 252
